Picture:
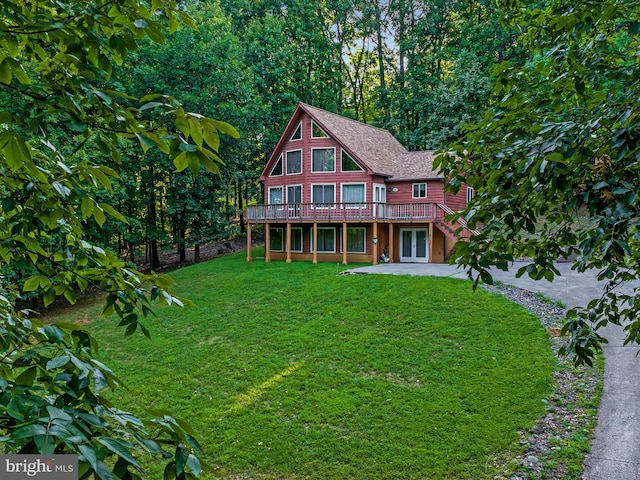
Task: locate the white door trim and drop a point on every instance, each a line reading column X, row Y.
column 415, row 238
column 379, row 197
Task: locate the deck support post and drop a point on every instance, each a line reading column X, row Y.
column 288, row 247
column 315, row 242
column 375, row 243
column 248, row 242
column 267, row 243
column 431, row 242
column 391, row 242
column 344, row 243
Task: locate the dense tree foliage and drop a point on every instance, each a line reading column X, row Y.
column 94, row 161
column 556, row 162
column 201, row 67
column 416, row 67
column 64, row 127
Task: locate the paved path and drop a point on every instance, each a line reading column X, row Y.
column 615, row 454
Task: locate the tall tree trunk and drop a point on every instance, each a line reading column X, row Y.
column 198, row 237
column 181, row 249
column 401, row 29
column 241, row 207
column 362, row 101
column 129, row 243
column 235, row 199
column 152, row 221
column 227, row 209
column 180, row 233
column 384, row 98
column 341, row 65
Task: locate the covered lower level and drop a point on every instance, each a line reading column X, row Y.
column 354, row 242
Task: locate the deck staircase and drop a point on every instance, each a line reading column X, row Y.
column 449, row 228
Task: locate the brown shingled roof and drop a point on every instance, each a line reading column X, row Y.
column 373, row 146
column 414, row 166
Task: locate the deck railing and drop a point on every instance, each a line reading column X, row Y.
column 443, row 211
column 341, row 212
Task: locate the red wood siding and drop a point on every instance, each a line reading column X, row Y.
column 435, row 187
column 458, row 201
column 404, row 194
column 308, row 178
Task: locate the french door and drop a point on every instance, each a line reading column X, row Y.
column 294, row 199
column 414, row 245
column 379, row 197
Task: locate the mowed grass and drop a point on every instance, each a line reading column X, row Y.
column 292, row 371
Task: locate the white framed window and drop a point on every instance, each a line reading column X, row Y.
column 316, row 131
column 294, row 194
column 296, row 239
column 379, row 193
column 419, row 190
column 470, row 194
column 326, row 240
column 348, row 164
column 275, row 196
column 276, row 171
column 323, row 193
column 276, row 239
column 323, row 159
column 297, row 135
column 353, row 193
column 356, row 240
column 294, row 162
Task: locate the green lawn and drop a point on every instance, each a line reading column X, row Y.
column 292, row 371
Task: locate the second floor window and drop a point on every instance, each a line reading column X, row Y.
column 323, row 194
column 316, row 131
column 419, row 190
column 297, row 135
column 324, row 160
column 276, row 171
column 275, row 196
column 294, row 162
column 349, row 164
column 353, row 193
column 470, row 194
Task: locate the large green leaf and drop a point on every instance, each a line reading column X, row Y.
column 27, row 377
column 28, row 431
column 121, row 448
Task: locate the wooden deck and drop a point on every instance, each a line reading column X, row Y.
column 340, row 212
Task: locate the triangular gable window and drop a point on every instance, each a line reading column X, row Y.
column 349, row 164
column 297, row 135
column 277, row 169
column 316, row 131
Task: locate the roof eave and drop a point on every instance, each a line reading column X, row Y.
column 413, row 179
column 281, row 141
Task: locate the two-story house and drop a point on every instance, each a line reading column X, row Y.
column 339, row 190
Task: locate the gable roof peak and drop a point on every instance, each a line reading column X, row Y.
column 311, row 110
column 373, row 147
